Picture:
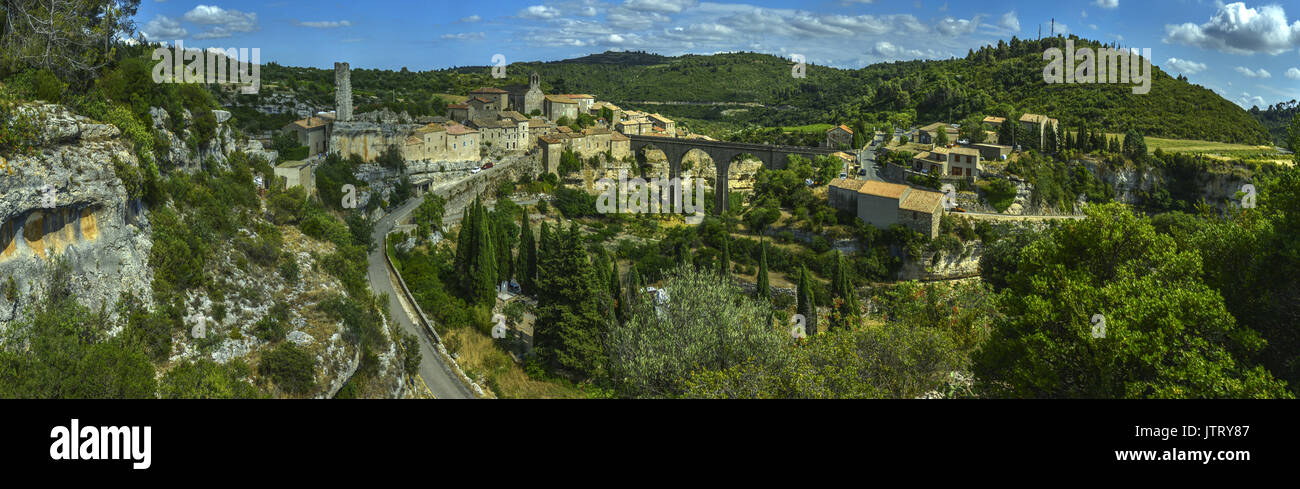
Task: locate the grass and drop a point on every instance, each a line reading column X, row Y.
column 816, row 128
column 1198, row 146
column 477, row 354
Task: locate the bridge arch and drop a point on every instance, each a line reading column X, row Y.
column 722, row 154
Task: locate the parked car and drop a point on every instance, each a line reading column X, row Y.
column 476, row 170
column 488, row 165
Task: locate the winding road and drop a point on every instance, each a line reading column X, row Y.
column 434, row 372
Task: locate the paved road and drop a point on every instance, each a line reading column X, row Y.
column 434, row 372
column 441, row 381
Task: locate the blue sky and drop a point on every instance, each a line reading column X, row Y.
column 1248, row 52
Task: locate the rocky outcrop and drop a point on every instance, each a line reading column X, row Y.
column 187, row 153
column 65, row 199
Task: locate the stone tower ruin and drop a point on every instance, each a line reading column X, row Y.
column 342, row 92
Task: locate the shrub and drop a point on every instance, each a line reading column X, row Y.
column 291, row 368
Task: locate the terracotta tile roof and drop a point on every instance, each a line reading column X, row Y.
column 848, row 184
column 964, row 151
column 548, row 139
column 618, row 136
column 430, row 127
column 995, row 120
column 1036, row 118
column 922, row 201
column 455, row 129
column 841, row 127
column 883, row 189
column 481, row 99
column 576, row 96
column 559, row 99
column 311, row 122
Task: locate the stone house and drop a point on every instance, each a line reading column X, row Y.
column 884, row 204
column 462, row 143
column 994, row 123
column 497, row 96
column 458, row 112
column 634, row 127
column 583, row 100
column 297, row 174
column 1037, row 124
column 839, row 136
column 663, row 124
column 557, row 106
column 504, row 133
column 950, row 163
column 552, row 147
column 484, row 108
column 926, row 135
column 312, row 132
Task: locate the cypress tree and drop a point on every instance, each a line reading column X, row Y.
column 465, row 246
column 764, row 290
column 527, row 254
column 483, row 267
column 572, row 314
column 842, row 288
column 726, row 255
column 616, row 293
column 805, row 304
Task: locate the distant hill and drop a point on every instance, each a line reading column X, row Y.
column 991, row 80
column 1276, row 118
column 626, row 58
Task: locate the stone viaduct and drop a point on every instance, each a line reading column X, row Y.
column 721, row 153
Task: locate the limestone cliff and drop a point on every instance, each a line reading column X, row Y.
column 103, row 234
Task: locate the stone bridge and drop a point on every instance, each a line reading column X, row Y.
column 721, row 153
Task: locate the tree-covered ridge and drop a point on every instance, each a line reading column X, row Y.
column 743, row 89
column 1276, row 118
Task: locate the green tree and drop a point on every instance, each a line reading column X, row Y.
column 527, row 254
column 844, row 298
column 764, row 290
column 428, row 216
column 707, row 324
column 571, row 315
column 806, row 304
column 1166, row 334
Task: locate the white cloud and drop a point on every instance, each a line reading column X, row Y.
column 1247, row 72
column 956, row 27
column 462, row 36
column 1247, row 100
column 661, row 6
column 1236, row 29
column 539, row 12
column 471, row 19
column 1009, row 21
column 1185, row 66
column 1293, row 73
column 1107, row 4
column 223, row 22
column 162, row 28
column 325, row 24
